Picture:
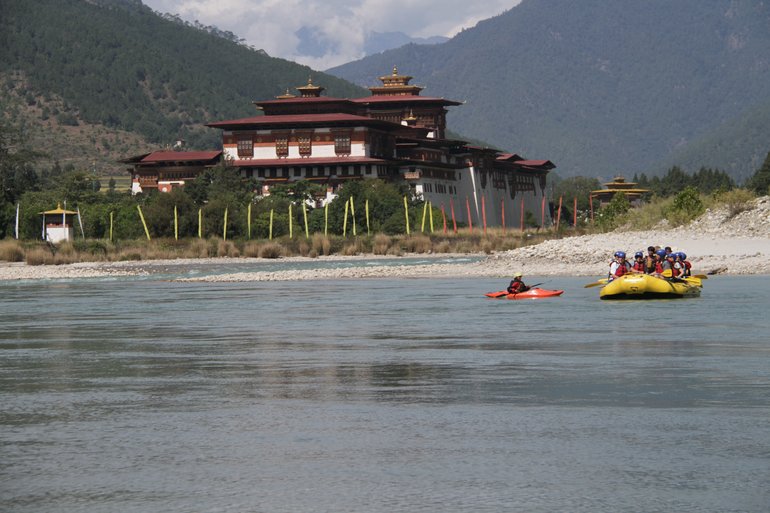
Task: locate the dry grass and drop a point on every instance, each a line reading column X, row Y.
column 251, row 250
column 11, row 251
column 381, row 244
column 418, row 243
column 226, row 248
column 353, row 248
column 736, row 201
column 322, row 245
column 271, row 250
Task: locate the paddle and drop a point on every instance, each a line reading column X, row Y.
column 668, row 273
column 603, row 281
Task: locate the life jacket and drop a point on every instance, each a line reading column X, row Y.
column 658, row 267
column 640, row 266
column 674, row 268
column 622, row 269
column 687, row 267
column 649, row 264
column 517, row 286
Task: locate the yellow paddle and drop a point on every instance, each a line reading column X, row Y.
column 667, row 274
column 602, row 281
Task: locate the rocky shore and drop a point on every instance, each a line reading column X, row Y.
column 715, row 243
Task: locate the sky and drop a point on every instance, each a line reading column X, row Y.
column 271, row 24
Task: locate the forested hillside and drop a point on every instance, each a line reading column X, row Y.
column 605, row 87
column 114, row 77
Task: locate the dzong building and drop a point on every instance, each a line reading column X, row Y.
column 396, row 134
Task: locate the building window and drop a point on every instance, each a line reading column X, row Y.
column 245, row 147
column 305, row 145
column 282, row 146
column 342, row 144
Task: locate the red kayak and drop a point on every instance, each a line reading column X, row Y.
column 534, row 293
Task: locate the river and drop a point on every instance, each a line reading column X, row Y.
column 381, row 395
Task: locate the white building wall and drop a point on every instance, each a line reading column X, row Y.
column 469, row 194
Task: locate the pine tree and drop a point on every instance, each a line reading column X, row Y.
column 760, row 182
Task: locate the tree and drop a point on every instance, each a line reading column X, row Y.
column 687, row 206
column 609, row 215
column 760, row 182
column 579, row 187
column 16, row 160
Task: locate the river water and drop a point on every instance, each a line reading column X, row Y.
column 383, row 395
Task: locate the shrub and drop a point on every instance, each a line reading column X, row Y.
column 321, row 244
column 686, row 206
column 39, row 256
column 270, row 250
column 129, row 256
column 610, row 215
column 251, row 250
column 354, row 248
column 736, row 201
column 10, row 251
column 381, row 244
column 418, row 243
column 226, row 248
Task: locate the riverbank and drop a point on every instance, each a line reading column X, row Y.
column 716, row 243
column 572, row 256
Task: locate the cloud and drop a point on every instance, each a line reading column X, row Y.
column 340, row 25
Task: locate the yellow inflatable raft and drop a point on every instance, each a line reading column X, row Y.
column 646, row 286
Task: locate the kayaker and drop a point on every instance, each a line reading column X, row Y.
column 619, row 266
column 517, row 285
column 640, row 265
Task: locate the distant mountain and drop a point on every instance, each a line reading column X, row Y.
column 377, row 42
column 602, row 87
column 90, row 81
column 314, row 43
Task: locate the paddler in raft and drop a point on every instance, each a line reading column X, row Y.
column 619, row 266
column 517, row 285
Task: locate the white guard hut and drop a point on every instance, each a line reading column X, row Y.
column 57, row 224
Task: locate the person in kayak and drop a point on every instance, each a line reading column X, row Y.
column 619, row 266
column 517, row 285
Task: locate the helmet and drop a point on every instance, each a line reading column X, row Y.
column 638, row 254
column 682, row 255
column 620, row 254
column 517, row 275
column 661, row 253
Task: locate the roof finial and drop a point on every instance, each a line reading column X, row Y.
column 395, row 71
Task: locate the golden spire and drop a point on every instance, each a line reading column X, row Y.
column 310, row 90
column 285, row 96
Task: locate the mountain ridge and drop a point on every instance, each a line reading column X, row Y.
column 600, row 88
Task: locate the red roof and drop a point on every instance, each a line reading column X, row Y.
column 536, row 163
column 300, row 99
column 307, row 161
column 180, row 156
column 382, row 98
column 513, row 157
column 299, row 119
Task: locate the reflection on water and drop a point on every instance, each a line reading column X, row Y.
column 381, row 395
